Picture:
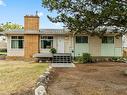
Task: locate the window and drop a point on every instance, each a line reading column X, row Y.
column 81, row 39
column 46, row 42
column 17, row 42
column 108, row 39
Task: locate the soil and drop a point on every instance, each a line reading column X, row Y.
column 105, row 78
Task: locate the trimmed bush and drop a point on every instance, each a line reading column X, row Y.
column 78, row 59
column 114, row 59
column 119, row 59
column 3, row 50
column 86, row 58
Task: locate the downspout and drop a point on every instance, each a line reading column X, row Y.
column 73, row 38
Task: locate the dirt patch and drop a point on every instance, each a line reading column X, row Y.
column 89, row 79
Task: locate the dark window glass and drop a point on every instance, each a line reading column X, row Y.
column 50, row 37
column 81, row 39
column 46, row 37
column 46, row 44
column 108, row 39
column 17, row 42
column 14, row 37
column 20, row 44
column 20, row 37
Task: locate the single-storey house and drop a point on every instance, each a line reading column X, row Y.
column 3, row 42
column 25, row 43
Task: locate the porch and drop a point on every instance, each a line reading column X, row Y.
column 56, row 60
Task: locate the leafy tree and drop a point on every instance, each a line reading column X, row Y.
column 1, row 29
column 89, row 15
column 10, row 26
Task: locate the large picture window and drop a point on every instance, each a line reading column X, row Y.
column 108, row 39
column 17, row 42
column 46, row 42
column 81, row 39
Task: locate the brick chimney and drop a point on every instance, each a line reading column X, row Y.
column 31, row 23
column 31, row 41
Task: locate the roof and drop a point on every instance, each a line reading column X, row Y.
column 53, row 31
column 41, row 31
column 58, row 31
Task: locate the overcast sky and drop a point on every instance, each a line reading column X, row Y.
column 14, row 11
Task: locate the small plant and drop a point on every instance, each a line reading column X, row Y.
column 53, row 50
column 86, row 57
column 119, row 59
column 114, row 59
column 78, row 59
column 3, row 50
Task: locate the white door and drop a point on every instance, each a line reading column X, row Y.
column 60, row 44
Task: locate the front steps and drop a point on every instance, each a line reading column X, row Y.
column 62, row 60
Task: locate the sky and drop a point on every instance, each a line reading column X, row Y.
column 15, row 10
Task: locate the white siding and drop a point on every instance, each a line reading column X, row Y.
column 68, row 47
column 13, row 52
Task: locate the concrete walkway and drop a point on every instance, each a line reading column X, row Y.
column 62, row 65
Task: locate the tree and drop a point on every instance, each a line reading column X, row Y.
column 10, row 26
column 1, row 29
column 89, row 15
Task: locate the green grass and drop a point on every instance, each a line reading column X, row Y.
column 17, row 75
column 3, row 53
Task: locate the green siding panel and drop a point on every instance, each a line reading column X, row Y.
column 81, row 48
column 118, row 51
column 107, row 49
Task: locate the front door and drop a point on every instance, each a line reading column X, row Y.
column 60, row 44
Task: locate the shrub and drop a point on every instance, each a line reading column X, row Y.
column 53, row 50
column 119, row 59
column 3, row 50
column 114, row 59
column 78, row 59
column 86, row 57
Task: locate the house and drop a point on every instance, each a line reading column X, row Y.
column 3, row 42
column 23, row 44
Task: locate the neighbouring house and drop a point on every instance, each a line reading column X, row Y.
column 25, row 43
column 3, row 42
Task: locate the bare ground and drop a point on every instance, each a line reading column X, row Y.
column 89, row 79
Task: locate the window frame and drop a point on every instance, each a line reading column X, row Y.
column 47, row 38
column 107, row 40
column 17, row 39
column 86, row 42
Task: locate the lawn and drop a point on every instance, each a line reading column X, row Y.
column 16, row 76
column 105, row 78
column 3, row 53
